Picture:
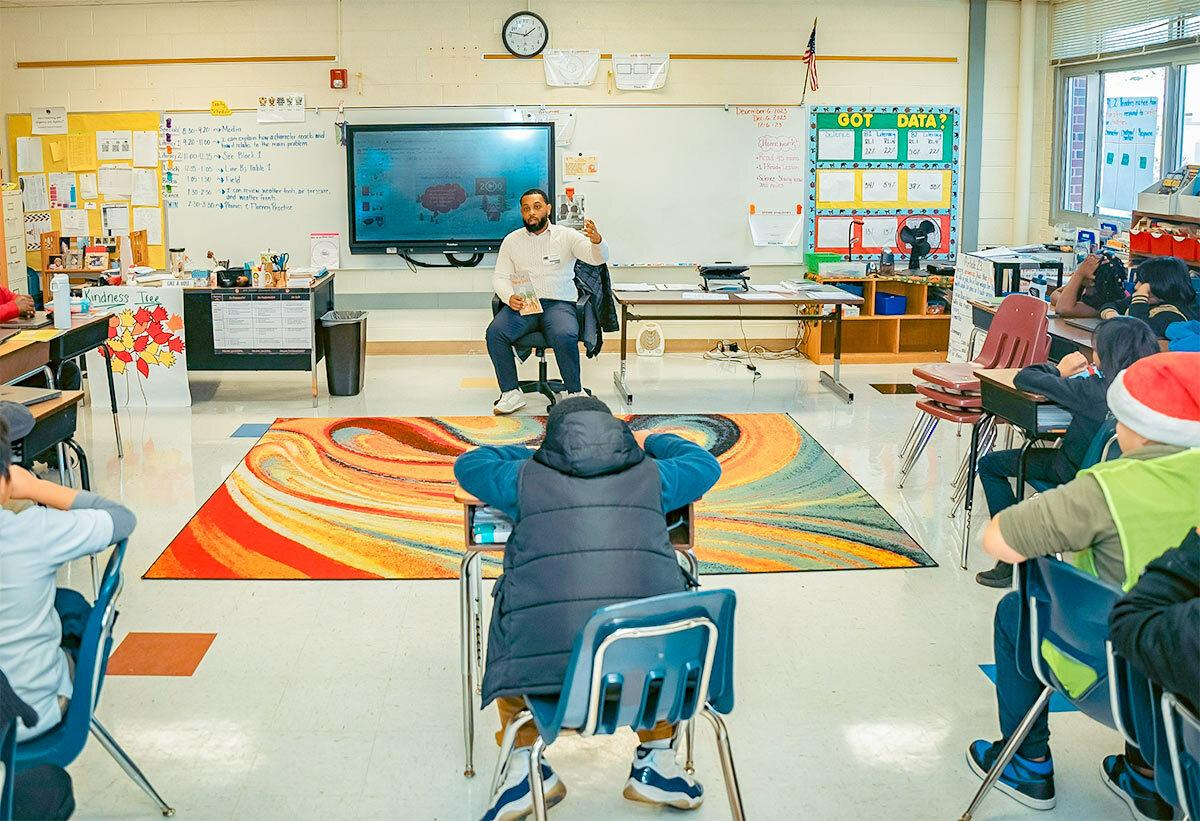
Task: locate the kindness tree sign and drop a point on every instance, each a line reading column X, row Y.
column 147, row 345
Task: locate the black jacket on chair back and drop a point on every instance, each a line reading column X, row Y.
column 591, row 532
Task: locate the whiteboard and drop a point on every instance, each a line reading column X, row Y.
column 675, row 183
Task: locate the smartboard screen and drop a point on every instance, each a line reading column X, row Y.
column 442, row 187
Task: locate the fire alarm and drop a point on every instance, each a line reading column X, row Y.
column 338, row 78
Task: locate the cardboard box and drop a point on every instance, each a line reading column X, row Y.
column 1156, row 203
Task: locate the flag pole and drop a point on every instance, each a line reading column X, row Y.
column 808, row 68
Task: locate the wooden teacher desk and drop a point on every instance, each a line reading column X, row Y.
column 730, row 307
column 470, row 587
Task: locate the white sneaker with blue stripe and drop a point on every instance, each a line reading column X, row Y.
column 657, row 778
column 514, row 799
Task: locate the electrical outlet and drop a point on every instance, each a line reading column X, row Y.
column 733, row 347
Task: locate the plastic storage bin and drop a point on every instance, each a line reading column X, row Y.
column 851, row 288
column 345, row 335
column 889, row 304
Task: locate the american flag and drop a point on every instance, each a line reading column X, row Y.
column 810, row 60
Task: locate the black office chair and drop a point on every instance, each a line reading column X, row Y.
column 536, row 340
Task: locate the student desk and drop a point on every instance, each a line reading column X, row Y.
column 54, row 423
column 88, row 332
column 470, row 588
column 20, row 358
column 1064, row 337
column 1001, row 399
column 731, row 308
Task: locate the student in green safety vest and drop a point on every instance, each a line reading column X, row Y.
column 1111, row 521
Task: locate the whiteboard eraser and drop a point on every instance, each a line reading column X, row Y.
column 392, row 251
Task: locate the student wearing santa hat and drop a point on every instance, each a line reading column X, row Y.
column 1111, row 521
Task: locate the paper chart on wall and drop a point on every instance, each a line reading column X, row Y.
column 835, row 144
column 570, row 67
column 925, row 186
column 145, row 149
column 88, row 189
column 116, row 181
column 73, row 222
column 114, row 219
column 640, row 72
column 925, row 145
column 48, row 120
column 81, row 152
column 29, row 155
column 880, row 143
column 281, row 108
column 564, row 120
column 835, row 186
column 114, row 145
column 145, row 187
column 34, row 195
column 880, row 186
column 62, row 190
column 581, row 167
column 779, row 228
column 832, row 233
column 35, row 226
column 879, row 232
column 150, row 221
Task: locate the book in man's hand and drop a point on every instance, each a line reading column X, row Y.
column 523, row 287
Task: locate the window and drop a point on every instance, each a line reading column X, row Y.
column 1121, row 129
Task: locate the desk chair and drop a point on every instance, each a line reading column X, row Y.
column 1102, row 448
column 537, row 341
column 1182, row 738
column 665, row 658
column 63, row 744
column 1064, row 615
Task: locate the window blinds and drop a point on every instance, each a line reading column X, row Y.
column 1084, row 28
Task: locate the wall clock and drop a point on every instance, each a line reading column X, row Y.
column 525, row 34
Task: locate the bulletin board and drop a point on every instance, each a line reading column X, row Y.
column 886, row 166
column 65, row 158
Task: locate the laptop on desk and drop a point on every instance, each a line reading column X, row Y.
column 27, row 396
column 28, row 323
column 1085, row 323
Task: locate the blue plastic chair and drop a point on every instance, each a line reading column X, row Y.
column 63, row 744
column 1102, row 448
column 1182, row 739
column 8, row 745
column 634, row 664
column 1063, row 610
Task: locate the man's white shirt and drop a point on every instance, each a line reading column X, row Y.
column 549, row 260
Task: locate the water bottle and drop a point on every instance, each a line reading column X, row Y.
column 60, row 287
column 887, row 261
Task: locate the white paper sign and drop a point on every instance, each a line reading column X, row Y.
column 33, row 193
column 145, row 186
column 924, row 145
column 570, row 66
column 879, row 232
column 835, row 144
column 145, row 149
column 116, row 181
column 62, row 190
column 281, row 108
column 114, row 145
column 88, row 188
column 35, row 226
column 29, row 155
column 880, row 186
column 325, row 250
column 835, row 186
column 832, row 233
column 925, row 186
column 640, row 72
column 974, row 278
column 880, row 143
column 564, row 120
column 74, row 222
column 150, row 221
column 146, row 373
column 778, row 228
column 49, row 120
column 114, row 219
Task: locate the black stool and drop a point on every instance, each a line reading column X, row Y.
column 536, row 340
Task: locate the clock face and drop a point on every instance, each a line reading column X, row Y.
column 525, row 34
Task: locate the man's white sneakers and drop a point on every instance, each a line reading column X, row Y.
column 509, row 402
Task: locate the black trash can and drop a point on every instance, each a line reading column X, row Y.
column 345, row 351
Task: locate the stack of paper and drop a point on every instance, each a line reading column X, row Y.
column 490, row 526
column 677, row 286
column 632, row 286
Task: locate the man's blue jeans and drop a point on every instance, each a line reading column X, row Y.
column 560, row 325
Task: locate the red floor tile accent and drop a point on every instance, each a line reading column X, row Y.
column 159, row 654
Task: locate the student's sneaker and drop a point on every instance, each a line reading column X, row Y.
column 657, row 778
column 514, row 799
column 1135, row 789
column 999, row 576
column 509, row 402
column 1029, row 782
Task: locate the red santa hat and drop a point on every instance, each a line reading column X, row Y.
column 1158, row 397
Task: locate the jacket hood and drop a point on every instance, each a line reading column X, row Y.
column 586, row 441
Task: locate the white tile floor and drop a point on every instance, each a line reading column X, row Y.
column 858, row 692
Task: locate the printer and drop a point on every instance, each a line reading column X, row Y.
column 724, row 276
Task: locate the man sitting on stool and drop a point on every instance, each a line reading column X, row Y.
column 546, row 253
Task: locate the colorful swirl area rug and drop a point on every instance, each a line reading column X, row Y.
column 373, row 498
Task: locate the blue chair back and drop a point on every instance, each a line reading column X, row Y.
column 1068, row 631
column 1179, row 782
column 640, row 662
column 1099, row 449
column 61, row 745
column 1134, row 700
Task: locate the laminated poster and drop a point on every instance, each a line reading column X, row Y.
column 570, row 67
column 581, row 167
column 640, row 72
